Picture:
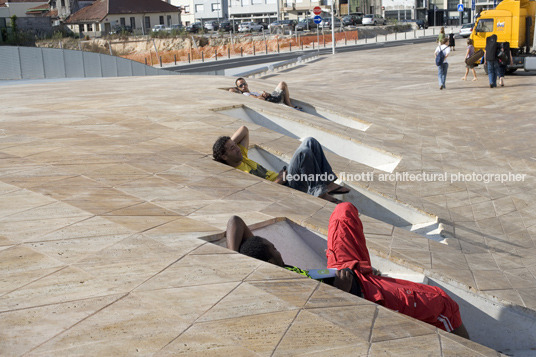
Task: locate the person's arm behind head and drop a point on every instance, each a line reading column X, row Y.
column 241, row 136
column 237, row 232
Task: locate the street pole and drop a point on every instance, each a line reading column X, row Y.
column 332, row 28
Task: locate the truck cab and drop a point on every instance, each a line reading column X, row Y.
column 512, row 21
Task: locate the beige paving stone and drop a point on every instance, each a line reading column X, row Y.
column 91, row 227
column 21, row 200
column 23, row 330
column 357, row 320
column 452, row 345
column 69, row 251
column 32, row 231
column 309, row 333
column 491, row 280
column 139, row 323
column 390, row 325
column 427, row 345
column 47, row 212
column 202, row 270
column 327, row 296
column 256, row 298
column 259, row 334
column 142, row 209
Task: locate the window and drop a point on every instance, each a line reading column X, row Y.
column 187, row 9
column 97, row 27
column 216, row 7
column 485, row 25
column 62, row 3
column 80, row 28
column 133, row 22
column 89, row 27
column 161, row 20
column 199, row 8
column 168, row 20
column 122, row 21
column 147, row 22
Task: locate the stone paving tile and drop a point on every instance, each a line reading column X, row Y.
column 309, row 333
column 23, row 330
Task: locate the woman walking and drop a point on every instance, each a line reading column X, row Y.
column 469, row 66
column 442, row 66
column 504, row 57
column 441, row 36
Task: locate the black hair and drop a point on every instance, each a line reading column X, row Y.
column 238, row 79
column 255, row 247
column 218, row 149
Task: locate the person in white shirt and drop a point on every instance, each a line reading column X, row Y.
column 442, row 69
column 280, row 94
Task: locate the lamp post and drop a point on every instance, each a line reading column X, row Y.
column 332, row 29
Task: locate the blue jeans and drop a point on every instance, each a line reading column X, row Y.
column 309, row 170
column 493, row 71
column 442, row 74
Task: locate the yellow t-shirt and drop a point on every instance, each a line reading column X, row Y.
column 250, row 166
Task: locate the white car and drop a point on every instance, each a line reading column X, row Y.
column 466, row 30
column 249, row 27
column 158, row 28
column 373, row 19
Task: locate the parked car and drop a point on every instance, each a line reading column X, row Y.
column 158, row 28
column 249, row 27
column 289, row 24
column 422, row 24
column 119, row 29
column 194, row 27
column 326, row 23
column 226, row 26
column 305, row 25
column 373, row 19
column 211, row 25
column 264, row 24
column 176, row 27
column 274, row 25
column 350, row 20
column 466, row 30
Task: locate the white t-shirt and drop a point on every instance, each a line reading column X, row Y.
column 250, row 93
column 445, row 49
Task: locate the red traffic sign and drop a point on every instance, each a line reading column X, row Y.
column 317, row 10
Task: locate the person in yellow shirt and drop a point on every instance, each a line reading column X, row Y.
column 309, row 170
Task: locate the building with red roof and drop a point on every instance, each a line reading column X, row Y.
column 103, row 16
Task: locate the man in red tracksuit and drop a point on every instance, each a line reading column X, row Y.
column 347, row 248
column 347, row 251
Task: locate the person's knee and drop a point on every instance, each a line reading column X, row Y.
column 282, row 85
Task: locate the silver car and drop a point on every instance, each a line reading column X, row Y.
column 373, row 19
column 249, row 27
column 466, row 30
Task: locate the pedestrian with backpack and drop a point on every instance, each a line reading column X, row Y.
column 504, row 57
column 490, row 60
column 441, row 53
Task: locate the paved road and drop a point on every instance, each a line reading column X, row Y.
column 278, row 57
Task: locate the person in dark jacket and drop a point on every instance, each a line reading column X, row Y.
column 490, row 60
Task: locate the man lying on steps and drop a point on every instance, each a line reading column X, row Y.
column 347, row 251
column 309, row 170
column 280, row 93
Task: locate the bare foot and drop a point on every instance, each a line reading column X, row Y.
column 334, row 189
column 330, row 198
column 464, row 78
column 474, row 79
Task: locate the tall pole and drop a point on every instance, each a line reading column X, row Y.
column 332, row 28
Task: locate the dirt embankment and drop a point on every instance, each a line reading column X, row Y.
column 144, row 49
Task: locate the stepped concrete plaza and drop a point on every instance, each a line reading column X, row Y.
column 110, row 205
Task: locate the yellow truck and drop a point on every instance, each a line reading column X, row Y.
column 512, row 21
